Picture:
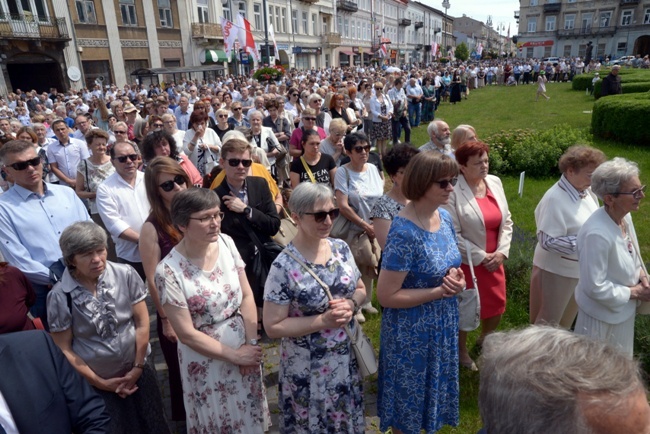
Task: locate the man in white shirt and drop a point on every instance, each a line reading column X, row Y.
column 247, row 101
column 83, row 125
column 399, row 120
column 123, row 205
column 65, row 154
column 414, row 95
column 183, row 112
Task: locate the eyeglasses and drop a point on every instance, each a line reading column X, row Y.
column 216, row 217
column 309, row 118
column 358, row 149
column 223, row 116
column 318, row 101
column 22, row 165
column 446, row 182
column 119, row 132
column 158, row 125
column 236, row 109
column 234, row 162
column 170, row 122
column 294, row 94
column 379, row 88
column 123, row 158
column 320, row 216
column 637, row 194
column 169, row 185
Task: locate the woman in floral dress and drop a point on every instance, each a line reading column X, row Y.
column 320, row 388
column 209, row 303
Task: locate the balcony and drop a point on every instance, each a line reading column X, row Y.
column 586, row 31
column 629, row 2
column 347, row 6
column 331, row 40
column 404, row 22
column 552, row 8
column 419, row 25
column 206, row 31
column 27, row 28
column 310, row 1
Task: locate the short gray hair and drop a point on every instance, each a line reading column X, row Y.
column 433, row 127
column 193, row 200
column 256, row 113
column 80, row 238
column 233, row 134
column 541, row 380
column 608, row 177
column 306, row 195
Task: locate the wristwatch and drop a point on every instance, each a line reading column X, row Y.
column 356, row 305
column 253, row 342
column 248, row 211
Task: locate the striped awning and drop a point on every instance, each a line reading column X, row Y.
column 213, row 56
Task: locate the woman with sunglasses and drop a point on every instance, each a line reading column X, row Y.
column 222, row 126
column 294, row 106
column 201, row 144
column 163, row 179
column 358, row 186
column 420, row 276
column 312, row 166
column 309, row 123
column 481, row 217
column 209, row 303
column 613, row 277
column 317, row 360
column 162, row 144
column 237, row 119
column 381, row 109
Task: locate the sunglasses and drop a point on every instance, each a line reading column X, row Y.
column 318, row 101
column 34, row 162
column 637, row 194
column 236, row 109
column 309, row 118
column 234, row 162
column 379, row 88
column 223, row 116
column 294, row 94
column 119, row 132
column 320, row 216
column 123, row 158
column 446, row 182
column 158, row 125
column 358, row 149
column 169, row 185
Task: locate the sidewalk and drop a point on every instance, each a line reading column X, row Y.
column 271, row 366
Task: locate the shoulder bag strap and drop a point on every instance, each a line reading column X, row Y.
column 308, row 170
column 87, row 179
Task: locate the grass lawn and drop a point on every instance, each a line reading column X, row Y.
column 494, row 109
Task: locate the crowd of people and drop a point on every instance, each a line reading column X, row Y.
column 179, row 193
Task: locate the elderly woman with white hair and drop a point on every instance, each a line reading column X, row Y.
column 612, row 276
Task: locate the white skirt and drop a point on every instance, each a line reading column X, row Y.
column 620, row 335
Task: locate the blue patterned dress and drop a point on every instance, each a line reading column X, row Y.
column 418, row 357
column 320, row 389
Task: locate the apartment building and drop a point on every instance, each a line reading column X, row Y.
column 564, row 27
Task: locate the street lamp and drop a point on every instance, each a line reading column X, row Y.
column 445, row 4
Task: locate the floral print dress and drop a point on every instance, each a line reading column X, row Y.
column 218, row 399
column 320, row 389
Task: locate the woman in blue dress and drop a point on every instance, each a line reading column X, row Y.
column 420, row 277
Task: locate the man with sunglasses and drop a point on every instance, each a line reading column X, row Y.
column 123, row 205
column 32, row 216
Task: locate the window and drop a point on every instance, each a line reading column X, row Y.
column 314, row 26
column 572, row 1
column 547, row 51
column 354, row 30
column 569, row 22
column 202, row 11
column 600, row 51
column 529, row 52
column 283, row 12
column 646, row 16
column 165, row 12
column 294, row 21
column 242, row 9
column 305, row 28
column 339, row 24
column 532, row 25
column 278, row 28
column 127, row 8
column 550, row 24
column 257, row 16
column 586, row 22
column 346, row 27
column 86, row 11
column 582, row 50
column 567, row 51
column 533, row 2
column 626, row 18
column 39, row 7
column 325, row 27
column 605, row 19
column 621, row 48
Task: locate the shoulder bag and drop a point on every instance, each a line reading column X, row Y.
column 342, row 227
column 288, row 229
column 361, row 345
column 469, row 302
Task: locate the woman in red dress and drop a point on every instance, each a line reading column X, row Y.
column 483, row 226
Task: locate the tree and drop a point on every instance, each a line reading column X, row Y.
column 462, row 52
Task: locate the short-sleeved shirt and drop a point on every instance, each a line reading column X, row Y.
column 362, row 188
column 320, row 170
column 386, row 208
column 103, row 328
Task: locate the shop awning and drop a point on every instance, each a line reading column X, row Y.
column 213, row 56
column 347, row 53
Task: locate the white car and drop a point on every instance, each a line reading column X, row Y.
column 624, row 60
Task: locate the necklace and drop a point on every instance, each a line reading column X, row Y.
column 426, row 228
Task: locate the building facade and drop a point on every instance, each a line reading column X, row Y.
column 563, row 28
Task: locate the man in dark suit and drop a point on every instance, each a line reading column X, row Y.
column 248, row 207
column 41, row 392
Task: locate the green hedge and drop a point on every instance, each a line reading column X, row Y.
column 626, row 87
column 535, row 152
column 583, row 81
column 622, row 118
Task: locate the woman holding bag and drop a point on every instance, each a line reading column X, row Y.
column 317, row 361
column 479, row 209
column 313, row 166
column 201, row 144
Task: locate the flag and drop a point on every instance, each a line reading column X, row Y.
column 383, row 52
column 272, row 35
column 229, row 36
column 434, row 49
column 245, row 37
column 479, row 49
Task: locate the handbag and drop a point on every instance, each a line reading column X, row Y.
column 469, row 302
column 210, row 163
column 361, row 344
column 342, row 227
column 288, row 229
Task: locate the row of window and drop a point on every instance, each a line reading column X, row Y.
column 586, row 21
column 86, row 12
column 621, row 49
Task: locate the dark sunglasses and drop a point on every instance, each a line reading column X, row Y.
column 158, row 125
column 319, row 217
column 123, row 158
column 223, row 116
column 236, row 109
column 169, row 185
column 234, row 162
column 445, row 182
column 358, row 149
column 294, row 94
column 119, row 132
column 309, row 118
column 34, row 162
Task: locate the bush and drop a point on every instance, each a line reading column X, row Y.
column 582, row 82
column 627, row 87
column 622, row 118
column 536, row 153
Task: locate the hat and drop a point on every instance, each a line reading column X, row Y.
column 542, row 72
column 129, row 108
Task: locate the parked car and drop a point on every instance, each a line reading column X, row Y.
column 554, row 60
column 624, row 60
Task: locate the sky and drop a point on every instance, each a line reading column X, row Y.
column 502, row 11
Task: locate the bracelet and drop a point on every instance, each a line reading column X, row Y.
column 139, row 365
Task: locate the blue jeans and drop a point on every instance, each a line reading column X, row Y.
column 415, row 110
column 398, row 124
column 39, row 309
